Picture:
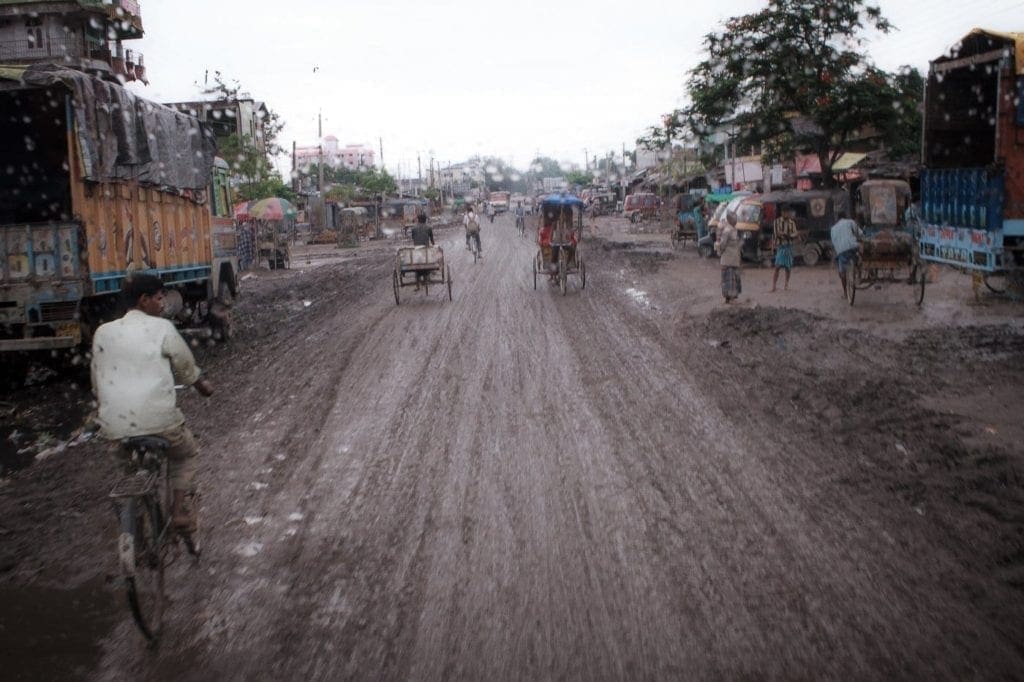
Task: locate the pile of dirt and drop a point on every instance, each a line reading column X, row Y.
column 872, row 411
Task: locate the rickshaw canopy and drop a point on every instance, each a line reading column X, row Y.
column 562, row 200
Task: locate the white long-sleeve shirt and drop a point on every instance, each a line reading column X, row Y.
column 135, row 363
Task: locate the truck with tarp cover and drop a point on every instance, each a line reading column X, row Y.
column 972, row 184
column 99, row 183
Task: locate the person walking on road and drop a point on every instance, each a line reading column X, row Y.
column 728, row 245
column 490, row 212
column 472, row 225
column 845, row 235
column 591, row 212
column 136, row 361
column 784, row 234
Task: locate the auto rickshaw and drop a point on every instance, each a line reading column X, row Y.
column 815, row 212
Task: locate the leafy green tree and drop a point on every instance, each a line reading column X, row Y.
column 579, row 178
column 546, row 167
column 794, row 76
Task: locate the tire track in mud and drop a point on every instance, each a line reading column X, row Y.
column 805, row 542
column 525, row 485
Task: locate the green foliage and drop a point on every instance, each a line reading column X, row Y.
column 546, row 167
column 345, row 184
column 795, row 76
column 579, row 178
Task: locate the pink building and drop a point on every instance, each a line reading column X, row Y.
column 351, row 156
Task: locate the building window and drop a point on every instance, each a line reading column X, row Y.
column 34, row 28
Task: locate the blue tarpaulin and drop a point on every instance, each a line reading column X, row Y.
column 562, row 200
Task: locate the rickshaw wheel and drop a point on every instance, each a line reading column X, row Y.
column 922, row 275
column 563, row 274
column 396, row 285
column 996, row 283
column 583, row 273
column 535, row 268
column 448, row 278
column 851, row 283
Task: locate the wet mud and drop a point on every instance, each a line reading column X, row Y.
column 629, row 481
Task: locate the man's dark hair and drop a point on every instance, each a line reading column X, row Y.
column 139, row 284
column 422, row 218
column 844, row 213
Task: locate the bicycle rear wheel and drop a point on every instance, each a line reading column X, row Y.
column 142, row 563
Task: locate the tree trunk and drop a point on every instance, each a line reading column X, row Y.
column 828, row 181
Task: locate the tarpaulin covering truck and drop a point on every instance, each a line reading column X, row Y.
column 972, row 184
column 95, row 183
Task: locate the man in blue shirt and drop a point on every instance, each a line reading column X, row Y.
column 845, row 234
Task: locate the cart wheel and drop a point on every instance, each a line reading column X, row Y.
column 705, row 251
column 583, row 273
column 851, row 283
column 535, row 268
column 922, row 276
column 396, row 284
column 448, row 278
column 811, row 255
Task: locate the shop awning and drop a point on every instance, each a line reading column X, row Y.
column 848, row 161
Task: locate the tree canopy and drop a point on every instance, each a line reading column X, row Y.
column 795, row 76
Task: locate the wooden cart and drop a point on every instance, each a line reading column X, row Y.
column 888, row 257
column 421, row 266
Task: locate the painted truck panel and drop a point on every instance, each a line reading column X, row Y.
column 972, row 187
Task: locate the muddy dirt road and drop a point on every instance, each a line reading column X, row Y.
column 612, row 484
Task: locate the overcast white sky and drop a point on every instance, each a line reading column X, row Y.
column 454, row 78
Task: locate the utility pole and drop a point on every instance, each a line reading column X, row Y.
column 419, row 173
column 320, row 144
column 586, row 160
column 381, row 141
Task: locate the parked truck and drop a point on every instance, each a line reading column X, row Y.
column 99, row 183
column 499, row 200
column 972, row 184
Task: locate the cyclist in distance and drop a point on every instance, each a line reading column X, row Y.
column 520, row 217
column 136, row 361
column 472, row 225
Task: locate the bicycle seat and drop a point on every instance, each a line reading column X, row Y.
column 151, row 443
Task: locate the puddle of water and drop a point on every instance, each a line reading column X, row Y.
column 49, row 633
column 638, row 296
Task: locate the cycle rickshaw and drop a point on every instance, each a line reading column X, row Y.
column 558, row 255
column 890, row 252
column 420, row 266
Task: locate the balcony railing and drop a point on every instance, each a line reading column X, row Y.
column 70, row 47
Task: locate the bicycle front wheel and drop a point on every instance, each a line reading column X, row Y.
column 141, row 549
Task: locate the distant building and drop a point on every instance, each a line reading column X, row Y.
column 242, row 116
column 85, row 35
column 554, row 184
column 351, row 156
column 458, row 179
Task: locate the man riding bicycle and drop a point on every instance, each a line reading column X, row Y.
column 472, row 225
column 136, row 361
column 520, row 216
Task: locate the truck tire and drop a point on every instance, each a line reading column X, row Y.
column 811, row 254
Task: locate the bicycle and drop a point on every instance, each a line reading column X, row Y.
column 474, row 245
column 148, row 542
